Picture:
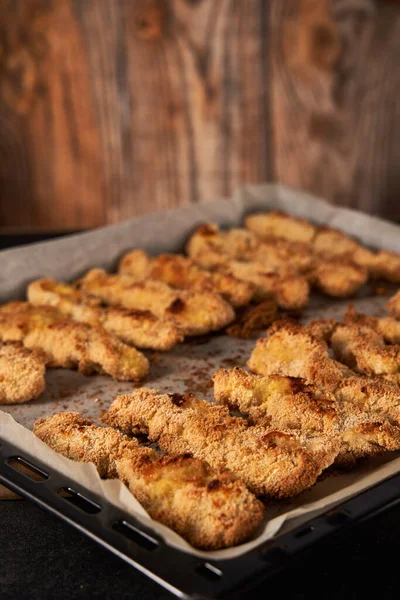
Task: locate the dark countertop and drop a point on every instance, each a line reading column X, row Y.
column 43, row 558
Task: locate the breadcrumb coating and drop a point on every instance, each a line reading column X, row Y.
column 364, row 350
column 393, row 305
column 290, row 350
column 196, row 313
column 69, row 344
column 182, row 273
column 21, row 373
column 137, row 327
column 387, row 327
column 285, row 402
column 338, row 279
column 326, row 242
column 270, row 462
column 290, row 403
column 277, row 224
column 368, row 408
column 209, row 509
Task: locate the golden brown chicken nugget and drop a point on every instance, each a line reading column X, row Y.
column 270, row 462
column 21, row 373
column 182, row 273
column 277, row 224
column 196, row 313
column 137, row 327
column 71, row 345
column 208, row 508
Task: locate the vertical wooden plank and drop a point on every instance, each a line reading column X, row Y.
column 335, row 84
column 48, row 122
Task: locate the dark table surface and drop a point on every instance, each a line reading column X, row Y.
column 43, row 558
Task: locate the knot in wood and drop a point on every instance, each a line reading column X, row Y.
column 151, row 20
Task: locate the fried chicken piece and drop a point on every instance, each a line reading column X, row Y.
column 321, row 328
column 364, row 350
column 286, row 402
column 253, row 319
column 290, row 350
column 209, row 509
column 386, row 265
column 338, row 279
column 272, row 463
column 290, row 403
column 371, row 395
column 21, row 374
column 137, row 327
column 182, row 273
column 68, row 344
column 291, row 292
column 196, row 313
column 277, row 224
column 393, row 305
column 210, row 248
column 387, row 327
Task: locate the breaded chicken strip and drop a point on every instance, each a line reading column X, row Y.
column 290, row 403
column 21, row 374
column 137, row 327
column 210, row 247
column 321, row 328
column 209, row 509
column 364, row 350
column 338, row 279
column 393, row 305
column 277, row 224
column 270, row 462
column 196, row 313
column 290, row 350
column 182, row 273
column 385, row 265
column 68, row 344
column 284, row 402
column 387, row 327
column 326, row 242
column 290, row 292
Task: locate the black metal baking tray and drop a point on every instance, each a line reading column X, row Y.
column 184, row 575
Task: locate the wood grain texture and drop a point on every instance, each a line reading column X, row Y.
column 110, row 109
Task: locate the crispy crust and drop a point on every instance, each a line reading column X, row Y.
column 326, row 242
column 270, row 462
column 287, row 402
column 68, row 344
column 387, row 327
column 182, row 273
column 321, row 328
column 369, row 408
column 290, row 292
column 393, row 305
column 139, row 328
column 196, row 313
column 290, row 350
column 363, row 349
column 209, row 509
column 338, row 279
column 253, row 319
column 277, row 224
column 21, row 373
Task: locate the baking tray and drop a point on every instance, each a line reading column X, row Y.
column 179, row 571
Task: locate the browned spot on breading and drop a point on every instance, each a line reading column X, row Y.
column 177, row 306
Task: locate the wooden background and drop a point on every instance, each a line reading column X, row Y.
column 111, row 108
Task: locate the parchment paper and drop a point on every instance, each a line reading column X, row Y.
column 187, row 367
